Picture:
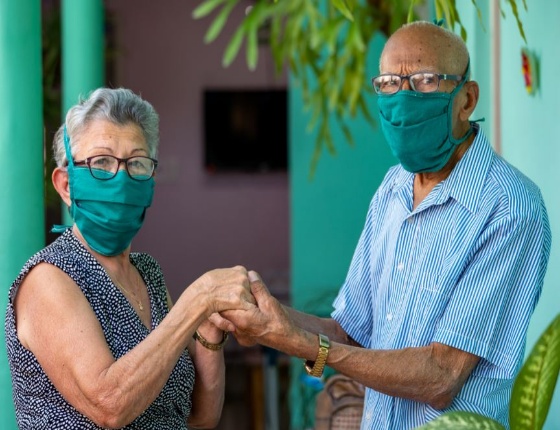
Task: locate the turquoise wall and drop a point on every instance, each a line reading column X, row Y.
column 327, row 214
column 528, row 126
column 530, row 130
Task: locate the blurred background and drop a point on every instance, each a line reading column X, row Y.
column 238, row 180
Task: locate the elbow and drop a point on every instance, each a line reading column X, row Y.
column 208, row 423
column 442, row 394
column 441, row 401
column 108, row 411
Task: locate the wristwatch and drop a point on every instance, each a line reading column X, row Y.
column 315, row 368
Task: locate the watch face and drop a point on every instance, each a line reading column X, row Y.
column 324, row 341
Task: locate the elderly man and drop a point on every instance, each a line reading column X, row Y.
column 434, row 311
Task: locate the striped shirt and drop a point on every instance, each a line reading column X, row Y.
column 465, row 268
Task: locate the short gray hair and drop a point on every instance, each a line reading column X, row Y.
column 119, row 106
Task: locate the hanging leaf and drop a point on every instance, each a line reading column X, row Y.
column 513, row 5
column 206, row 8
column 218, row 23
column 343, row 9
column 233, row 46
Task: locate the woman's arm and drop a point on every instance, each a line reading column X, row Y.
column 209, row 386
column 56, row 323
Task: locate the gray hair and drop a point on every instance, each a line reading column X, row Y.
column 119, row 106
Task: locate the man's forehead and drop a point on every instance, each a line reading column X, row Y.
column 409, row 58
column 420, row 48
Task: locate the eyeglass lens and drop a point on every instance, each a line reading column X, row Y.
column 107, row 166
column 421, row 82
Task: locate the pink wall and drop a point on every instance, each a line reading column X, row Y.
column 198, row 221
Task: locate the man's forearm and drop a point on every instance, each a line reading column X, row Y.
column 315, row 324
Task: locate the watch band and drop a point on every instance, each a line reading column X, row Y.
column 316, row 368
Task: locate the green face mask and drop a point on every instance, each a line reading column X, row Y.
column 418, row 128
column 110, row 212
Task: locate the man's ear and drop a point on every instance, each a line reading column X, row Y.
column 60, row 182
column 469, row 101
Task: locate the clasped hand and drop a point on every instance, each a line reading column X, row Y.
column 256, row 324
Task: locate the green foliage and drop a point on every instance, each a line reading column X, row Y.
column 463, row 420
column 531, row 395
column 534, row 386
column 324, row 44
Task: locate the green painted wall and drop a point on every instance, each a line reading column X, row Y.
column 530, row 133
column 528, row 124
column 21, row 159
column 327, row 214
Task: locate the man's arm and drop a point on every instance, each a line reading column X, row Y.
column 433, row 374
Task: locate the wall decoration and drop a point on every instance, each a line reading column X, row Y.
column 529, row 68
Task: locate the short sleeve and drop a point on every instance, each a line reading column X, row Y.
column 352, row 306
column 490, row 308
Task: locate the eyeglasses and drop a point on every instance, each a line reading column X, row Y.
column 422, row 82
column 105, row 167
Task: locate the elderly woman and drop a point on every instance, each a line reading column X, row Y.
column 92, row 338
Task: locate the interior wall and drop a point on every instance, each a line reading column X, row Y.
column 198, row 221
column 530, row 130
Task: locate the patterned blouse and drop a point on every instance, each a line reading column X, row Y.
column 37, row 402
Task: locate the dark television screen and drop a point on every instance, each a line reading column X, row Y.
column 245, row 130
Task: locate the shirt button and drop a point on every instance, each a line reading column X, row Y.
column 368, row 415
column 400, row 266
column 410, row 220
column 389, row 317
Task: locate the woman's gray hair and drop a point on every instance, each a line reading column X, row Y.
column 119, row 106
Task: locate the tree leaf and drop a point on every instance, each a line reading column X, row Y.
column 462, row 421
column 219, row 22
column 205, row 8
column 535, row 383
column 252, row 47
column 343, row 9
column 233, row 46
column 513, row 5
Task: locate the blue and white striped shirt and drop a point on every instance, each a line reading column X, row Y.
column 465, row 268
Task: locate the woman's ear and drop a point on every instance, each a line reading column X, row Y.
column 470, row 100
column 60, row 182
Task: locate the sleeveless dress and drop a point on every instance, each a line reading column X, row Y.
column 38, row 404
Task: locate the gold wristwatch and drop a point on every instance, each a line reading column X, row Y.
column 315, row 368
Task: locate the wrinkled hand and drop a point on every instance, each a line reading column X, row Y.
column 225, row 289
column 262, row 324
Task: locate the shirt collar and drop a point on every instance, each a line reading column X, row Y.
column 466, row 180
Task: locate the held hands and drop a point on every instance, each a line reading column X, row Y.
column 264, row 323
column 225, row 289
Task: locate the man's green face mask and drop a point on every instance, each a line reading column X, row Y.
column 418, row 127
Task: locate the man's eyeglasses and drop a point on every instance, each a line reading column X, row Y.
column 105, row 167
column 422, row 82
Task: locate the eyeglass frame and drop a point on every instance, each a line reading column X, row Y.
column 440, row 76
column 87, row 162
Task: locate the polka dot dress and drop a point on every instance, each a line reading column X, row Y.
column 37, row 402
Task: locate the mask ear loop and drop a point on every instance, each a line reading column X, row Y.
column 450, row 110
column 60, row 228
column 67, row 147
